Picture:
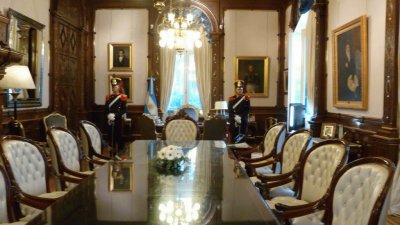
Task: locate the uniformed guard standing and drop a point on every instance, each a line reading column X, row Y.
column 115, row 111
column 238, row 108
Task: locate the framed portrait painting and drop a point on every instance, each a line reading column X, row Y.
column 121, row 176
column 126, row 84
column 328, row 130
column 254, row 71
column 120, row 56
column 350, row 68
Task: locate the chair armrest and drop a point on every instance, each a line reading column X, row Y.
column 76, row 174
column 285, row 212
column 239, row 154
column 100, row 156
column 257, row 165
column 253, row 160
column 39, row 204
column 267, row 178
column 69, row 179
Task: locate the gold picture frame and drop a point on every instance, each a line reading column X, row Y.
column 350, row 65
column 328, row 130
column 255, row 72
column 121, row 176
column 126, row 84
column 117, row 63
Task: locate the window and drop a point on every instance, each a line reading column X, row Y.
column 184, row 87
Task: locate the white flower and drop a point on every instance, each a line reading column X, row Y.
column 170, row 155
column 161, row 154
column 178, row 154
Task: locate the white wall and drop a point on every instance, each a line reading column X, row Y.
column 341, row 12
column 121, row 26
column 251, row 33
column 37, row 10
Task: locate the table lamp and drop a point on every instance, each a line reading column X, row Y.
column 221, row 106
column 17, row 77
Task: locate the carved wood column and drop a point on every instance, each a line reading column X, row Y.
column 387, row 138
column 320, row 99
column 217, row 79
column 281, row 58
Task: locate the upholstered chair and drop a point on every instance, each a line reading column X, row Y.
column 181, row 128
column 93, row 143
column 264, row 153
column 54, row 119
column 7, row 202
column 356, row 196
column 191, row 111
column 293, row 151
column 28, row 170
column 66, row 154
column 314, row 175
column 214, row 129
column 147, row 128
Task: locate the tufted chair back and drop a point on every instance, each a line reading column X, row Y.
column 27, row 165
column 64, row 149
column 191, row 111
column 54, row 119
column 358, row 192
column 293, row 149
column 181, row 128
column 91, row 137
column 274, row 138
column 6, row 213
column 318, row 168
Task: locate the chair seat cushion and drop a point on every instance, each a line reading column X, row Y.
column 281, row 191
column 310, row 219
column 264, row 170
column 53, row 195
column 256, row 155
column 290, row 201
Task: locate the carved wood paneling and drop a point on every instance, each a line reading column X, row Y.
column 67, row 75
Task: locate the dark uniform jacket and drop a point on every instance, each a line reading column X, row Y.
column 119, row 109
column 242, row 109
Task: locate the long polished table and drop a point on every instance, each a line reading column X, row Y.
column 212, row 189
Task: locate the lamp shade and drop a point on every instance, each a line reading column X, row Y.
column 221, row 105
column 17, row 77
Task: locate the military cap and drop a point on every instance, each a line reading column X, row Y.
column 239, row 83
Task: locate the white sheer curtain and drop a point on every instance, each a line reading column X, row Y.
column 167, row 65
column 310, row 35
column 203, row 62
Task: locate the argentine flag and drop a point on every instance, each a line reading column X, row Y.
column 151, row 104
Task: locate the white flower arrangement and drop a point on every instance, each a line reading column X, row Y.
column 171, row 160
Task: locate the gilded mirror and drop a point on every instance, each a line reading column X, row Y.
column 26, row 36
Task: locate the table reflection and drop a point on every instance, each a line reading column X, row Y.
column 211, row 190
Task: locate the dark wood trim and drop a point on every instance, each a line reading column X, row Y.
column 281, row 58
column 320, row 95
column 389, row 126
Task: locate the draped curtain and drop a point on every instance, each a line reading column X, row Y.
column 203, row 64
column 310, row 35
column 167, row 66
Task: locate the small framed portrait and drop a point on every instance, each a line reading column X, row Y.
column 254, row 71
column 126, row 84
column 285, row 80
column 350, row 68
column 120, row 56
column 121, row 176
column 328, row 130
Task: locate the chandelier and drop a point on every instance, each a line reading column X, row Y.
column 179, row 28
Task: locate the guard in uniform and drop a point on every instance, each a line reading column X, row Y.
column 115, row 111
column 238, row 108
